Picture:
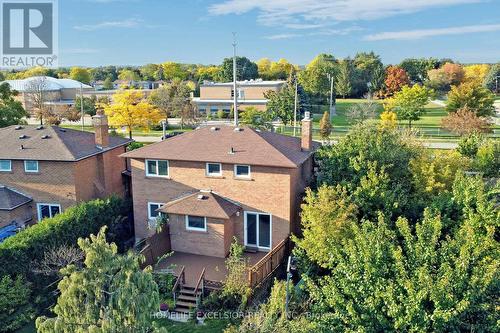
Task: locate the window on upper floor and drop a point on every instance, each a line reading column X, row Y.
column 5, row 165
column 157, row 168
column 242, row 171
column 46, row 210
column 197, row 223
column 214, row 169
column 31, row 166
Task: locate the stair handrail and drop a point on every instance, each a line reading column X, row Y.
column 181, row 280
column 200, row 285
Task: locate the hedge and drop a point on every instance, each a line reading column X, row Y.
column 19, row 251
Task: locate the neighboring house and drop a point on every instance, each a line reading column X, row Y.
column 59, row 94
column 217, row 183
column 219, row 96
column 46, row 169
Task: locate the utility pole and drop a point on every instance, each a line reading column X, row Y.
column 295, row 111
column 235, row 94
column 81, row 106
column 332, row 108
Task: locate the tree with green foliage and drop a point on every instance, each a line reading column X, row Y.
column 127, row 74
column 475, row 97
column 111, row 293
column 487, row 159
column 343, row 85
column 281, row 104
column 255, row 118
column 236, row 265
column 174, row 71
column 409, row 103
column 11, row 110
column 102, row 72
column 314, row 79
column 245, row 69
column 151, row 72
column 325, row 126
column 108, row 83
column 364, row 67
column 171, row 98
column 377, row 82
column 89, row 105
column 80, row 74
column 15, row 308
column 417, row 68
column 373, row 163
column 492, row 80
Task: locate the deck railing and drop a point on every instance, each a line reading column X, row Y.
column 181, row 280
column 155, row 246
column 268, row 264
column 199, row 289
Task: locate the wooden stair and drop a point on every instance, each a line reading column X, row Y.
column 186, row 301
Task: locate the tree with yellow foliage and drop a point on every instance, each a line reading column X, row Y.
column 388, row 119
column 130, row 109
column 476, row 73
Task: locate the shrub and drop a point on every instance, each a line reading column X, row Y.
column 469, row 145
column 19, row 251
column 488, row 158
column 15, row 308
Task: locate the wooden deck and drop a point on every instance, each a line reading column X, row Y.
column 215, row 268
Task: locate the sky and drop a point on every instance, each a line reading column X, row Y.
column 137, row 32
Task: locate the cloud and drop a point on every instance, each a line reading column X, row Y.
column 282, row 36
column 300, row 12
column 129, row 23
column 422, row 33
column 330, row 32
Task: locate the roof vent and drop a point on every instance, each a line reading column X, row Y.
column 201, row 197
column 45, row 137
column 231, row 151
column 22, row 147
column 213, row 129
column 24, row 136
column 17, row 128
column 39, row 128
column 238, row 129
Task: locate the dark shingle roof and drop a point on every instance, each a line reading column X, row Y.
column 250, row 146
column 10, row 199
column 60, row 144
column 202, row 203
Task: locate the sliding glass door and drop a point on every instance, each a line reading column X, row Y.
column 258, row 228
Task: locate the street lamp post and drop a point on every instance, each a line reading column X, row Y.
column 332, row 106
column 81, row 106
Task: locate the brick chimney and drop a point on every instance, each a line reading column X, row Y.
column 101, row 127
column 306, row 143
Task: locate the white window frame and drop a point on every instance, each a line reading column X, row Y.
column 32, row 171
column 257, row 235
column 219, row 174
column 10, row 166
column 194, row 228
column 150, row 216
column 39, row 209
column 156, row 174
column 242, row 176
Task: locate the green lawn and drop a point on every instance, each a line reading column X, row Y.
column 210, row 326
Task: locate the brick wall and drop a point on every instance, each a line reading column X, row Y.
column 20, row 215
column 268, row 191
column 207, row 243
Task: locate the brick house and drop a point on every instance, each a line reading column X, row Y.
column 215, row 96
column 220, row 183
column 46, row 169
